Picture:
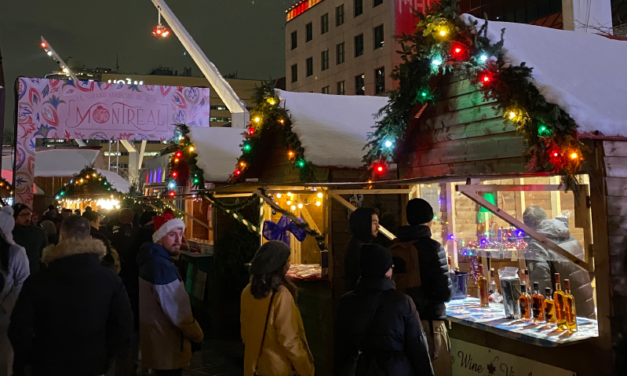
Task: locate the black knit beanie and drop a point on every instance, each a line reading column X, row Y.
column 269, row 257
column 374, row 261
column 419, row 212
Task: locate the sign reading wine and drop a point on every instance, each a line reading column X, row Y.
column 97, row 110
column 471, row 359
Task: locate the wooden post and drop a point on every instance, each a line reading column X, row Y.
column 556, row 205
column 450, row 218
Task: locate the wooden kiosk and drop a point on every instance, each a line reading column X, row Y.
column 463, row 157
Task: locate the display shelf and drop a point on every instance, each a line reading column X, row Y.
column 492, row 319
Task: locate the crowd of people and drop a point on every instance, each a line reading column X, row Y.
column 82, row 293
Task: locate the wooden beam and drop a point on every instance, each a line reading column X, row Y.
column 369, row 191
column 510, row 188
column 528, row 230
column 309, row 219
column 185, row 214
column 350, row 206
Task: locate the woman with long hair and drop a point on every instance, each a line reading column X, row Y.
column 272, row 328
column 14, row 269
column 364, row 225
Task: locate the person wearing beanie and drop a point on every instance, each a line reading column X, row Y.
column 271, row 324
column 436, row 287
column 364, row 225
column 72, row 316
column 168, row 331
column 33, row 238
column 13, row 273
column 380, row 323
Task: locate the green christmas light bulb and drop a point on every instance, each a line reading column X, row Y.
column 300, row 163
column 544, row 131
column 247, row 147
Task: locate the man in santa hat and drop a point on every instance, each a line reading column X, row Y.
column 167, row 328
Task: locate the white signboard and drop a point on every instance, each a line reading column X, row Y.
column 470, row 359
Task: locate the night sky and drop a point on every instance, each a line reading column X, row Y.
column 237, row 35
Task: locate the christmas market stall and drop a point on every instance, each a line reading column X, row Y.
column 98, row 189
column 516, row 135
column 297, row 152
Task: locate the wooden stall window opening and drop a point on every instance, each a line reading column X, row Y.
column 472, row 192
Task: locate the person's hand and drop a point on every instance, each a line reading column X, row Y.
column 196, row 346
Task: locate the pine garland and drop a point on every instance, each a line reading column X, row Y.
column 234, row 210
column 184, row 161
column 88, row 183
column 444, row 43
column 269, row 115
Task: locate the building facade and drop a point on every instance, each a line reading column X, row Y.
column 349, row 46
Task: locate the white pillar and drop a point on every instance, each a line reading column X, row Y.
column 589, row 16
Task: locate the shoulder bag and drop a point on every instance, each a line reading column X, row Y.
column 265, row 328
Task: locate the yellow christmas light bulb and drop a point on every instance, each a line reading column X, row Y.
column 318, row 203
column 272, row 101
column 300, row 205
column 242, row 164
column 278, row 195
column 320, row 194
column 82, row 180
column 87, row 177
column 289, row 194
column 289, row 202
column 443, row 32
column 94, row 174
column 191, row 148
column 176, row 160
column 574, row 156
column 257, row 119
column 512, row 114
column 293, row 208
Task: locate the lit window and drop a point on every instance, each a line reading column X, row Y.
column 379, row 86
column 378, row 37
column 360, row 85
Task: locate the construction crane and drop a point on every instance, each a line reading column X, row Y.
column 239, row 114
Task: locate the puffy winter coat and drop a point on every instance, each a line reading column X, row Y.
column 436, row 287
column 543, row 263
column 351, row 263
column 166, row 324
column 285, row 350
column 389, row 334
column 72, row 316
column 12, row 281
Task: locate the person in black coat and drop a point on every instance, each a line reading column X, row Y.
column 380, row 322
column 364, row 225
column 72, row 316
column 436, row 287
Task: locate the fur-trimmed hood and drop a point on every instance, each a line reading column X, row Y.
column 71, row 247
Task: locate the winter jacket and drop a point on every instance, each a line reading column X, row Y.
column 71, row 316
column 543, row 263
column 111, row 259
column 166, row 324
column 389, row 333
column 14, row 278
column 34, row 239
column 123, row 241
column 436, row 287
column 285, row 349
column 351, row 264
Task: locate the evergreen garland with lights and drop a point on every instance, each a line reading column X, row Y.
column 183, row 163
column 442, row 43
column 269, row 115
column 88, row 183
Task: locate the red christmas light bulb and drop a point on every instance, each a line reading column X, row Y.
column 175, row 174
column 178, row 154
column 251, row 131
column 44, row 45
column 172, row 193
column 238, row 172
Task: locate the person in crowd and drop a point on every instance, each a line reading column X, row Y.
column 35, row 219
column 543, row 262
column 123, row 232
column 168, row 331
column 29, row 236
column 364, row 225
column 271, row 324
column 112, row 259
column 77, row 212
column 51, row 231
column 436, row 287
column 66, row 213
column 13, row 272
column 88, row 209
column 379, row 323
column 49, row 214
column 72, row 316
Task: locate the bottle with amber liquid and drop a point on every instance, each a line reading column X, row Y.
column 537, row 300
column 524, row 301
column 484, row 295
column 560, row 304
column 571, row 314
column 549, row 307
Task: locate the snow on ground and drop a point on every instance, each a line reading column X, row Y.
column 218, row 150
column 332, row 129
column 583, row 73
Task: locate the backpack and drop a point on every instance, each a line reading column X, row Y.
column 406, row 265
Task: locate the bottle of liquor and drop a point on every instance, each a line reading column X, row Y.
column 571, row 314
column 524, row 301
column 549, row 307
column 560, row 304
column 493, row 288
column 527, row 282
column 538, row 304
column 483, row 288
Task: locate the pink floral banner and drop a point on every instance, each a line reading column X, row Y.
column 97, row 110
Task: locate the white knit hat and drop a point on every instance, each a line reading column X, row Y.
column 164, row 224
column 7, row 223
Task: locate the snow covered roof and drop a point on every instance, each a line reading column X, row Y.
column 332, row 129
column 583, row 73
column 117, row 182
column 218, row 149
column 58, row 162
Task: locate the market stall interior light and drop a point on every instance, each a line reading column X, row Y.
column 108, row 204
column 300, row 205
column 319, row 194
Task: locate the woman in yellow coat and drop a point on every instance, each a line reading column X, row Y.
column 272, row 328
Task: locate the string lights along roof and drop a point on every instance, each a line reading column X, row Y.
column 332, row 129
column 218, row 149
column 583, row 73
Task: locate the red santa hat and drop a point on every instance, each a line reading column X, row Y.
column 164, row 224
